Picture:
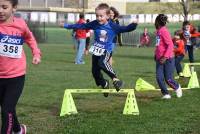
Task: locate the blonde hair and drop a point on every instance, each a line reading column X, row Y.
column 103, row 6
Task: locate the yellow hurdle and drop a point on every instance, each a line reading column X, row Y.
column 68, row 105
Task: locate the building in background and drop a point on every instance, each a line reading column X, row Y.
column 53, row 11
column 152, row 0
column 63, row 10
column 87, row 6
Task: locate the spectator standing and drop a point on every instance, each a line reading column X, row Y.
column 145, row 38
column 88, row 36
column 81, row 41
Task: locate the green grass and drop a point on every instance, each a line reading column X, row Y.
column 39, row 107
column 40, row 104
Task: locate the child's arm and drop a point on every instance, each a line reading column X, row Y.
column 165, row 35
column 195, row 35
column 122, row 29
column 89, row 25
column 31, row 42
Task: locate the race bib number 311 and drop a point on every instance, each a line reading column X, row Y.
column 96, row 50
column 11, row 46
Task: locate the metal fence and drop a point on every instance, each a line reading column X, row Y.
column 133, row 39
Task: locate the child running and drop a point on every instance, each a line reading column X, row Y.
column 104, row 31
column 13, row 33
column 179, row 51
column 164, row 58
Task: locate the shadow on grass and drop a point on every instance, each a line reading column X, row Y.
column 54, row 109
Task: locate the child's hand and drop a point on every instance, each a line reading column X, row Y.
column 163, row 60
column 61, row 24
column 36, row 60
column 136, row 19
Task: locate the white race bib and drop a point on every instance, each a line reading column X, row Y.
column 11, row 46
column 157, row 40
column 96, row 50
column 10, row 50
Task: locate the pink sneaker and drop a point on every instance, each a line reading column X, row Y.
column 23, row 129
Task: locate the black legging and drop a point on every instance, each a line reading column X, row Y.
column 102, row 63
column 10, row 91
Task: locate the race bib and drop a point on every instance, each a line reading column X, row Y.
column 11, row 46
column 96, row 50
column 157, row 40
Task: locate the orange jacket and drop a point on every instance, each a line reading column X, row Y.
column 195, row 34
column 179, row 47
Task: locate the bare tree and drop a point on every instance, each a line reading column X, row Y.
column 186, row 8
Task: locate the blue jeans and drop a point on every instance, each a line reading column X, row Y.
column 178, row 66
column 164, row 73
column 190, row 53
column 80, row 51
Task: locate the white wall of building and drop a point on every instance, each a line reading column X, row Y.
column 169, row 0
column 149, row 0
column 137, row 0
column 53, row 17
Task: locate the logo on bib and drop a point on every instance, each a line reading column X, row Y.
column 10, row 40
column 4, row 39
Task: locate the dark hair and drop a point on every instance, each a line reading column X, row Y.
column 116, row 13
column 13, row 2
column 184, row 24
column 103, row 6
column 88, row 20
column 81, row 15
column 160, row 20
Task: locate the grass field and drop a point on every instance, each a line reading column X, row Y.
column 40, row 105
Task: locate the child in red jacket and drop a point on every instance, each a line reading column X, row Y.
column 179, row 52
column 145, row 38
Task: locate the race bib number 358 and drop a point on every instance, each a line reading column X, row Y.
column 11, row 46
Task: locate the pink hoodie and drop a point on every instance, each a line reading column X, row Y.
column 164, row 44
column 12, row 36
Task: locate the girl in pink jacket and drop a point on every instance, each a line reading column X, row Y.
column 164, row 58
column 13, row 33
